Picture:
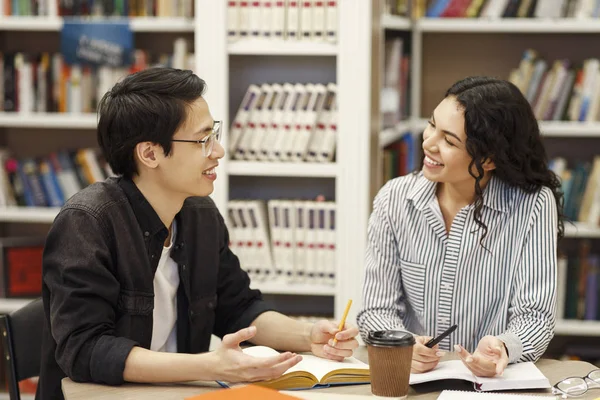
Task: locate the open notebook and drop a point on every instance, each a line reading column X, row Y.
column 516, row 376
column 460, row 395
column 313, row 371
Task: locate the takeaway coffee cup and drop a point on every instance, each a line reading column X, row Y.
column 390, row 357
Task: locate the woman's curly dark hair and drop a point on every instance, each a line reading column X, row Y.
column 500, row 125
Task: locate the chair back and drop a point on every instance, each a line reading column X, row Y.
column 22, row 332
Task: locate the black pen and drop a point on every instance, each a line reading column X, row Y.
column 438, row 339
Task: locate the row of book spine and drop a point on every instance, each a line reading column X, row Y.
column 313, row 20
column 50, row 180
column 578, row 294
column 46, row 83
column 400, row 157
column 286, row 241
column 100, row 8
column 286, row 122
column 560, row 90
column 580, row 185
column 580, row 9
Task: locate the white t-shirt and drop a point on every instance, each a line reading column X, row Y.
column 166, row 283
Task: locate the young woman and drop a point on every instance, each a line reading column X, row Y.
column 471, row 239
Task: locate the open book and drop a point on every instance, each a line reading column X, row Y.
column 516, row 376
column 313, row 371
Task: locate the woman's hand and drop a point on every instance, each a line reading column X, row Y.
column 321, row 340
column 424, row 358
column 489, row 359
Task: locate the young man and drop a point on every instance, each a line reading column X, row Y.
column 137, row 270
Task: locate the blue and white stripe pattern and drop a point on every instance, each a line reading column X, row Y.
column 422, row 279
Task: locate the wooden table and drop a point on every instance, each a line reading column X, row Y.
column 553, row 369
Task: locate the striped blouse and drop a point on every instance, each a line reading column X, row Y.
column 422, row 279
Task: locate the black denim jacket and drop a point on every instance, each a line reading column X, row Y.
column 98, row 270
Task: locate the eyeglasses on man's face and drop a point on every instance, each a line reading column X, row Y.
column 208, row 142
column 577, row 386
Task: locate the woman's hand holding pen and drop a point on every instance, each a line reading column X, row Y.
column 322, row 344
column 489, row 359
column 424, row 358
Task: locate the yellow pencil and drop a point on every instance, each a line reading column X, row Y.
column 343, row 321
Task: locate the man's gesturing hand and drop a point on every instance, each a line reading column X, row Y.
column 232, row 365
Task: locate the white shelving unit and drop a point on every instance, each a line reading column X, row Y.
column 138, row 24
column 352, row 63
column 42, row 215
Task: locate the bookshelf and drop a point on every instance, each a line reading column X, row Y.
column 346, row 63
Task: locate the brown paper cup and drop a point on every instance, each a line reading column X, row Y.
column 390, row 357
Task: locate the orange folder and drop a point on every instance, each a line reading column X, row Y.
column 249, row 392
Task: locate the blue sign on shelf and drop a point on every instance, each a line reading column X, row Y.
column 97, row 43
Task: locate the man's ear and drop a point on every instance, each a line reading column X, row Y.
column 488, row 164
column 148, row 154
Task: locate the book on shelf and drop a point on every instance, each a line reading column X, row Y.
column 494, row 9
column 399, row 157
column 560, row 90
column 580, row 185
column 21, row 266
column 515, row 377
column 48, row 181
column 281, row 241
column 104, row 8
column 313, row 371
column 308, row 20
column 286, row 122
column 394, row 97
column 578, row 284
column 46, row 83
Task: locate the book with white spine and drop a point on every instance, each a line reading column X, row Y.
column 255, row 19
column 318, row 20
column 257, row 219
column 232, row 20
column 300, row 222
column 266, row 18
column 327, row 149
column 259, row 122
column 331, row 21
column 276, row 226
column 241, row 117
column 285, row 138
column 278, row 23
column 271, row 118
column 288, row 233
column 289, row 146
column 307, row 121
column 277, row 132
column 318, row 139
column 306, row 19
column 330, row 242
column 243, row 19
column 292, row 19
